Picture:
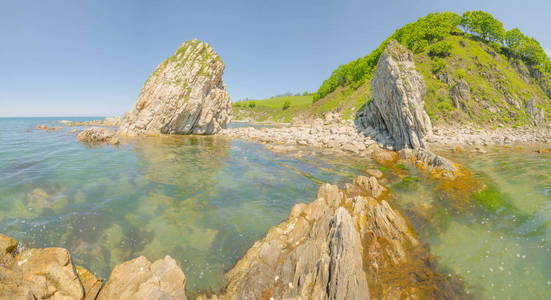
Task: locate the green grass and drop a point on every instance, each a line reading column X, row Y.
column 272, row 109
column 491, row 77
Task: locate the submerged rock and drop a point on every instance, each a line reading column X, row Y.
column 45, row 127
column 185, row 95
column 397, row 108
column 97, row 135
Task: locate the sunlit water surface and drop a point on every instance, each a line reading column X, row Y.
column 205, row 200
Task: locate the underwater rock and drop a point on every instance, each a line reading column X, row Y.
column 374, row 172
column 429, row 160
column 97, row 135
column 91, row 284
column 45, row 127
column 141, row 279
column 383, row 156
column 184, row 95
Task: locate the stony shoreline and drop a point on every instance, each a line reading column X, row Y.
column 344, row 136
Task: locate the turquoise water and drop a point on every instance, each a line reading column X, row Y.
column 202, row 200
column 205, row 200
column 501, row 253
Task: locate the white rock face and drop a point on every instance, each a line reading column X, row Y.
column 184, row 95
column 398, row 99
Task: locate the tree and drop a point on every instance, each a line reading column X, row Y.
column 529, row 49
column 286, row 104
column 514, row 40
column 252, row 104
column 484, row 25
column 441, row 49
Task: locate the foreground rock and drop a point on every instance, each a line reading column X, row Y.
column 140, row 279
column 347, row 244
column 37, row 273
column 185, row 95
column 398, row 100
column 49, row 273
column 97, row 135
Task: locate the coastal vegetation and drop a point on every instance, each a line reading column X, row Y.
column 505, row 76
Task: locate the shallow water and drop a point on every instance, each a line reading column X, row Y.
column 202, row 200
column 503, row 253
column 205, row 200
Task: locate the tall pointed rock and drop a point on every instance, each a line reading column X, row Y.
column 398, row 99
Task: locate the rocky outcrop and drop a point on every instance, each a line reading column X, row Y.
column 49, row 273
column 37, row 273
column 141, row 279
column 537, row 115
column 184, row 95
column 97, row 135
column 460, row 94
column 426, row 160
column 347, row 244
column 397, row 107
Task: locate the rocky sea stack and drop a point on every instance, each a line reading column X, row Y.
column 184, row 95
column 397, row 108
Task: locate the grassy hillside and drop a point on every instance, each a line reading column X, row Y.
column 502, row 72
column 279, row 109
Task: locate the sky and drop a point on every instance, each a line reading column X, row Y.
column 91, row 58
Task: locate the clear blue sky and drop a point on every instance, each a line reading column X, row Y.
column 91, row 58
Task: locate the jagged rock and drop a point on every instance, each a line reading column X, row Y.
column 141, row 279
column 37, row 273
column 185, row 95
column 460, row 93
column 91, row 284
column 538, row 115
column 445, row 78
column 441, row 165
column 398, row 99
column 343, row 245
column 97, row 135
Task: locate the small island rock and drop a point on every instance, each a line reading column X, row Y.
column 97, row 135
column 184, row 95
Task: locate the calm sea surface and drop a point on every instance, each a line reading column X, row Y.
column 205, row 200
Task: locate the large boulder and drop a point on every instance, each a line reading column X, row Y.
column 46, row 273
column 141, row 279
column 184, row 95
column 397, row 108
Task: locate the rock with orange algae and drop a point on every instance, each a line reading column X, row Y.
column 346, row 244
